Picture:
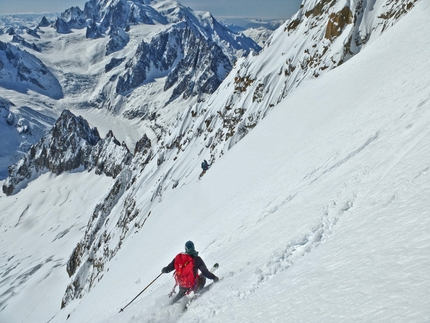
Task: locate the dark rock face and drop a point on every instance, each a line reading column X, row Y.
column 197, row 72
column 118, row 40
column 191, row 63
column 20, row 40
column 93, row 31
column 61, row 26
column 120, row 14
column 70, row 144
column 82, row 265
column 67, row 146
column 44, row 22
column 109, row 156
column 74, row 17
column 143, row 145
column 114, row 62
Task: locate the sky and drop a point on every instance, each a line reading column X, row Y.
column 278, row 9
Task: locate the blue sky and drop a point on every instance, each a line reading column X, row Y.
column 219, row 8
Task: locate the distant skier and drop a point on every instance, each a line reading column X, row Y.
column 205, row 167
column 187, row 265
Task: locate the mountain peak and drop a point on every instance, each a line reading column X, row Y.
column 70, row 144
column 66, row 147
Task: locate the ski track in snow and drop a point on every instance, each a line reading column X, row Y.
column 297, row 248
column 22, row 214
column 285, row 258
column 343, row 201
column 19, row 279
column 342, row 161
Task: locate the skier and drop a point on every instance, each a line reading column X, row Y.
column 187, row 266
column 205, row 167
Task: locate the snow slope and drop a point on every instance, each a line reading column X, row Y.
column 37, row 231
column 319, row 214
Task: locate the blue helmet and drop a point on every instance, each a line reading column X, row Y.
column 189, row 247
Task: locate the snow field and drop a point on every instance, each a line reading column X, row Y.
column 39, row 229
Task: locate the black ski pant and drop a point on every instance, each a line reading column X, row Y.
column 201, row 281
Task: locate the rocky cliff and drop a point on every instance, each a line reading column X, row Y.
column 71, row 144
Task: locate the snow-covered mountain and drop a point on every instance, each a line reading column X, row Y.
column 181, row 51
column 71, row 144
column 257, row 29
column 22, row 72
column 337, row 171
column 241, row 24
column 19, row 23
column 111, row 54
column 260, row 35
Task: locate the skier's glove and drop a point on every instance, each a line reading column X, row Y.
column 164, row 270
column 216, row 279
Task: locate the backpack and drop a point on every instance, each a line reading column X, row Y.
column 184, row 275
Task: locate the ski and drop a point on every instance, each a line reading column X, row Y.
column 214, row 267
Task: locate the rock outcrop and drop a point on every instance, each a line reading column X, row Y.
column 71, row 144
column 109, row 156
column 67, row 146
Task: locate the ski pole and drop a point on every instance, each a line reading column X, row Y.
column 122, row 309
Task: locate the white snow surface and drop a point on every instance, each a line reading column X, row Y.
column 320, row 214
